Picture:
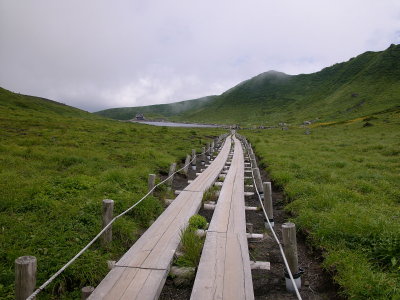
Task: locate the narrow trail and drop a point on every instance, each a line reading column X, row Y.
column 225, row 270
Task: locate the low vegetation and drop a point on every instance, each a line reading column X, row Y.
column 342, row 186
column 211, row 194
column 191, row 243
column 57, row 164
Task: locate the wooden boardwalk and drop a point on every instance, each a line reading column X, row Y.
column 140, row 274
column 224, row 271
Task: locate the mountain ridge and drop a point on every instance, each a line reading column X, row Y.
column 366, row 83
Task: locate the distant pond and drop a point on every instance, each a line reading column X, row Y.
column 172, row 124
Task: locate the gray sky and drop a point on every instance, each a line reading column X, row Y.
column 97, row 54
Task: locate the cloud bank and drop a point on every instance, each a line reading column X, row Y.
column 97, row 54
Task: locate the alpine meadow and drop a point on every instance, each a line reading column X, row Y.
column 329, row 141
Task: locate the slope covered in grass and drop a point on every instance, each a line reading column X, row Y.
column 160, row 111
column 342, row 185
column 57, row 164
column 363, row 85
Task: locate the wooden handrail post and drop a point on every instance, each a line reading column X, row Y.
column 208, row 151
column 194, row 161
column 253, row 163
column 203, row 156
column 290, row 245
column 86, row 292
column 25, row 276
column 151, row 182
column 108, row 207
column 172, row 169
column 268, row 202
column 252, row 156
column 186, row 168
column 257, row 177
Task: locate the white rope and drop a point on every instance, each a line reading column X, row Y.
column 55, row 275
column 275, row 236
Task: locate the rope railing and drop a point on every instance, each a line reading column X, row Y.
column 274, row 234
column 55, row 275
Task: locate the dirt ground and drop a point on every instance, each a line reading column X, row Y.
column 316, row 283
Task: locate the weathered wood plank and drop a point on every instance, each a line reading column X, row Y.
column 141, row 272
column 224, row 271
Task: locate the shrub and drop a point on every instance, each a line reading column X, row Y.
column 198, row 222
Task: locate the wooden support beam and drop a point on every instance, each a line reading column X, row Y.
column 247, row 194
column 260, row 265
column 258, row 236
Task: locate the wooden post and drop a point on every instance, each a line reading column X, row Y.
column 151, row 182
column 253, row 163
column 25, row 276
column 172, row 169
column 212, row 148
column 194, row 157
column 257, row 177
column 290, row 246
column 208, row 151
column 268, row 201
column 252, row 156
column 86, row 292
column 203, row 156
column 108, row 206
column 186, row 168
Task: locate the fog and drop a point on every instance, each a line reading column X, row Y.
column 98, row 54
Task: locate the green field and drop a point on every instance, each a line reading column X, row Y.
column 342, row 186
column 57, row 164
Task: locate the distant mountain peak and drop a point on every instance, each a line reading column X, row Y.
column 273, row 73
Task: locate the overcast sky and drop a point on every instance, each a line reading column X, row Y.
column 96, row 54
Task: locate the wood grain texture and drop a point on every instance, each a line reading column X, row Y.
column 224, row 271
column 142, row 270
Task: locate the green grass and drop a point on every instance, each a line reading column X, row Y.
column 57, row 164
column 191, row 243
column 211, row 194
column 342, row 186
column 363, row 85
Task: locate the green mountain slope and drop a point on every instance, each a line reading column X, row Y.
column 57, row 163
column 18, row 103
column 363, row 85
column 156, row 111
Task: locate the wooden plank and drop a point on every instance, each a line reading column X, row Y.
column 211, row 268
column 141, row 272
column 224, row 271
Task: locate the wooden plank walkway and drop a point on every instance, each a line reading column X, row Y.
column 224, row 271
column 140, row 274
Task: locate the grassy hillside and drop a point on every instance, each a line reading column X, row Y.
column 57, row 163
column 363, row 85
column 162, row 111
column 342, row 185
